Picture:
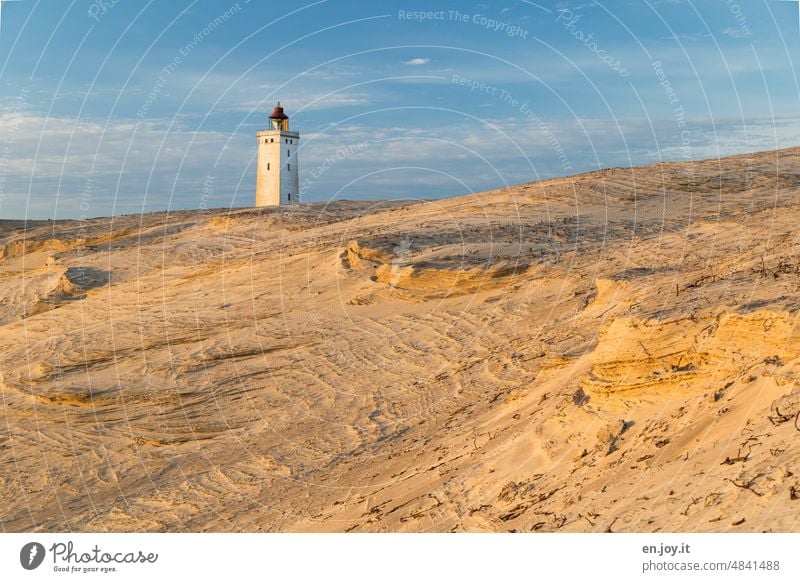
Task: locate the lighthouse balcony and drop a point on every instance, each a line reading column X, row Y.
column 277, row 132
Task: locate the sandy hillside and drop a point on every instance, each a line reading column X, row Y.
column 616, row 351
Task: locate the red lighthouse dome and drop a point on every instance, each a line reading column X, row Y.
column 278, row 113
column 279, row 120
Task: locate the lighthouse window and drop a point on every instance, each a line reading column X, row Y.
column 272, row 140
column 290, row 196
column 288, row 152
column 267, row 166
column 289, row 167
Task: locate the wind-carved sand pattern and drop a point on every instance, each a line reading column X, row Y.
column 617, row 351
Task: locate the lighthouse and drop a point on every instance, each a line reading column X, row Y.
column 277, row 176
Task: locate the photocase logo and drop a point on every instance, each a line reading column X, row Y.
column 31, row 555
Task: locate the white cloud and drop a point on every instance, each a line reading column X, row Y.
column 736, row 32
column 70, row 168
column 418, row 61
column 297, row 101
column 135, row 164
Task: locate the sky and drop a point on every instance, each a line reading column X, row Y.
column 112, row 107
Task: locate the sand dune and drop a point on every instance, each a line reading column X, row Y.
column 617, row 351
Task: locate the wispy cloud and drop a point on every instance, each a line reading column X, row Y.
column 94, row 167
column 736, row 32
column 69, row 168
column 417, row 61
column 302, row 101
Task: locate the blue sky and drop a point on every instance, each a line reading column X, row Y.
column 123, row 106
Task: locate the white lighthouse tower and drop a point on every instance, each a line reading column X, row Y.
column 277, row 177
